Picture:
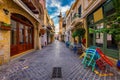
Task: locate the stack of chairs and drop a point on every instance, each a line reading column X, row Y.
column 90, row 58
column 101, row 64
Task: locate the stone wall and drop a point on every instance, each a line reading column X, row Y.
column 5, row 35
column 4, row 46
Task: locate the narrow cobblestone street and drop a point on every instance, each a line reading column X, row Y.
column 38, row 65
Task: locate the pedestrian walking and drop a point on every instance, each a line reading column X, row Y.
column 75, row 47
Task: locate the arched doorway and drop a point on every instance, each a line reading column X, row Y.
column 22, row 34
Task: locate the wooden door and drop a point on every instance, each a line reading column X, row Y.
column 21, row 36
column 14, row 38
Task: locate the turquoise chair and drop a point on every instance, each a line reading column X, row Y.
column 89, row 59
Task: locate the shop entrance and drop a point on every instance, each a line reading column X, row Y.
column 22, row 34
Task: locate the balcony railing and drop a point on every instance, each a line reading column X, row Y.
column 76, row 15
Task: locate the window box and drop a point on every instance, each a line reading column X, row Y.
column 5, row 26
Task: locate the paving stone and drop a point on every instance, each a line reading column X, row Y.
column 38, row 65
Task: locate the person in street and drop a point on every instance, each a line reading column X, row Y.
column 75, row 47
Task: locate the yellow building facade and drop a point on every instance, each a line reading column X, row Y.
column 50, row 28
column 74, row 20
column 10, row 14
column 60, row 26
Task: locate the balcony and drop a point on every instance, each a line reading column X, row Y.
column 76, row 19
column 76, row 15
column 64, row 24
column 30, row 4
column 29, row 7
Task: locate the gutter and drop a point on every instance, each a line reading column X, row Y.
column 21, row 4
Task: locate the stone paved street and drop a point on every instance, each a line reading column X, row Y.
column 38, row 65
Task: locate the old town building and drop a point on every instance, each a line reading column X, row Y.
column 92, row 14
column 19, row 27
column 96, row 12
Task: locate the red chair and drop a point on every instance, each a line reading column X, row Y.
column 101, row 64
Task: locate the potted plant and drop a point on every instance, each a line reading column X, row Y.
column 74, row 34
column 5, row 26
column 80, row 33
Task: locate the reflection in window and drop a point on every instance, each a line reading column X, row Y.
column 111, row 43
column 30, row 34
column 91, row 36
column 21, row 33
column 99, row 36
column 13, row 32
column 26, row 32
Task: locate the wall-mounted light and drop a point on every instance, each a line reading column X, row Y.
column 6, row 11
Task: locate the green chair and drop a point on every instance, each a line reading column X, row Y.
column 89, row 59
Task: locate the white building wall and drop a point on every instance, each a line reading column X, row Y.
column 44, row 40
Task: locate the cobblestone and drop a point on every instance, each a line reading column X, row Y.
column 38, row 65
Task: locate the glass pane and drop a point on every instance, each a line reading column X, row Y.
column 90, row 19
column 13, row 32
column 26, row 32
column 31, row 35
column 99, row 36
column 111, row 43
column 21, row 33
column 91, row 35
column 108, row 8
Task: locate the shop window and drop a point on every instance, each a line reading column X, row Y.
column 108, row 8
column 21, row 33
column 91, row 36
column 13, row 33
column 79, row 11
column 90, row 19
column 99, row 36
column 111, row 43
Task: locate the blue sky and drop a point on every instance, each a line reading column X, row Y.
column 55, row 6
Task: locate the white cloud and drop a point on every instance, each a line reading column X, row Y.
column 64, row 9
column 54, row 15
column 57, row 4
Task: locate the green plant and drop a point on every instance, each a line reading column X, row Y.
column 5, row 24
column 91, row 30
column 74, row 34
column 116, row 4
column 115, row 29
column 80, row 33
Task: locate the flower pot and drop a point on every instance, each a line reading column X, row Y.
column 5, row 28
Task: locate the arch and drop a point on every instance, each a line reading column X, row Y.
column 22, row 17
column 23, row 13
column 22, row 34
